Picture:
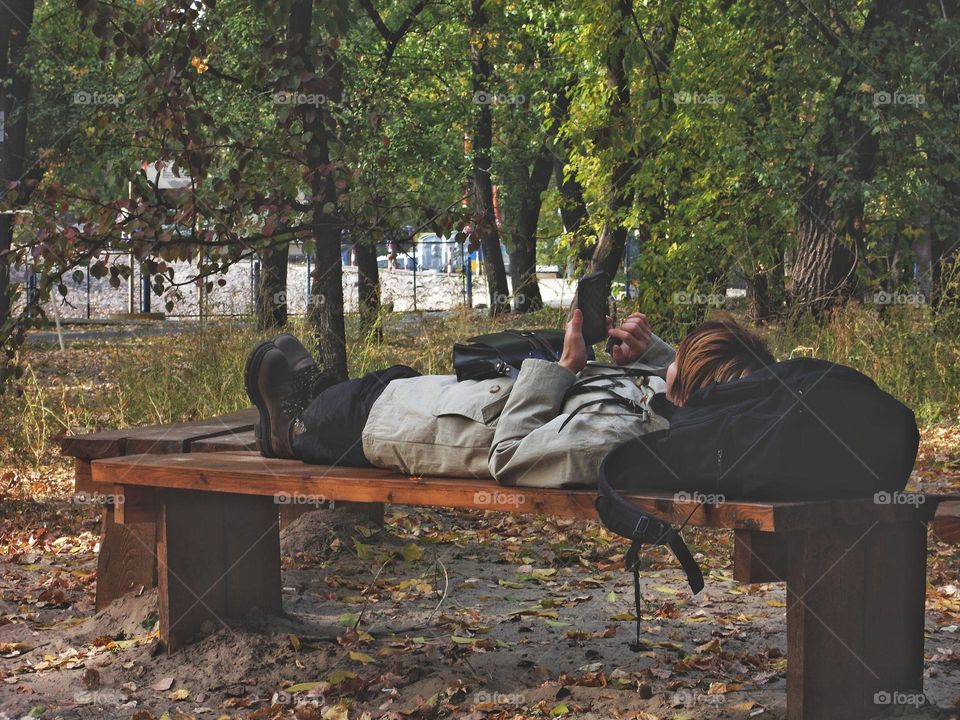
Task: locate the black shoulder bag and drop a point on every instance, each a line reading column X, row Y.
column 501, row 354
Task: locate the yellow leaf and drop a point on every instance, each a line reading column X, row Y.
column 303, row 687
column 776, row 603
column 338, row 676
column 411, row 552
column 361, row 657
column 666, row 590
column 337, row 712
column 181, row 694
column 713, row 646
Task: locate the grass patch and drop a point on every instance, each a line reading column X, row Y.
column 196, row 371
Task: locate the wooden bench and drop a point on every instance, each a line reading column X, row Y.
column 200, row 521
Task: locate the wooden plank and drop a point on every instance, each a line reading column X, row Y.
column 106, row 443
column 83, row 478
column 240, row 441
column 178, row 438
column 135, row 504
column 895, row 583
column 946, row 522
column 252, row 552
column 175, row 437
column 255, row 475
column 825, row 624
column 126, row 562
column 759, row 557
column 191, row 560
column 249, row 473
column 219, row 557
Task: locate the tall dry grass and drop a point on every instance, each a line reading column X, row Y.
column 196, row 371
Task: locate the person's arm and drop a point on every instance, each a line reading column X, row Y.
column 535, row 399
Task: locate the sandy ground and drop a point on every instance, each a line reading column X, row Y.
column 460, row 615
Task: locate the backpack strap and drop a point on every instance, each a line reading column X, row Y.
column 630, row 405
column 641, row 528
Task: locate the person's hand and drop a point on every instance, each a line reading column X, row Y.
column 634, row 335
column 574, row 357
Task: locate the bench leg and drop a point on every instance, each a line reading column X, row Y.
column 369, row 512
column 855, row 608
column 218, row 557
column 759, row 557
column 127, row 560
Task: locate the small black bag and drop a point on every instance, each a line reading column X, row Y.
column 501, row 354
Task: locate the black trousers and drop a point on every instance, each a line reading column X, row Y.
column 335, row 418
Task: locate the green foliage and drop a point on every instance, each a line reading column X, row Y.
column 718, row 132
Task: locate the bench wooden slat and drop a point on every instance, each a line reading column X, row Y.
column 293, row 482
column 238, row 441
column 172, row 438
column 946, row 523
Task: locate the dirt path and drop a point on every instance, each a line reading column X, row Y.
column 461, row 615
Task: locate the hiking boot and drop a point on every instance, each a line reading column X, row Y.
column 269, row 381
column 309, row 379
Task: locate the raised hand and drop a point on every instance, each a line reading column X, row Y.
column 634, row 335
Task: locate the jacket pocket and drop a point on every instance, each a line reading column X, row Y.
column 479, row 400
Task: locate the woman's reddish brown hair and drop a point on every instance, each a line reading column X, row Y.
column 719, row 350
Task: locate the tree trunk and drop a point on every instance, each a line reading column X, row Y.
column 573, row 211
column 368, row 289
column 758, row 291
column 831, row 236
column 16, row 18
column 823, row 265
column 272, row 293
column 325, row 311
column 485, row 223
column 523, row 258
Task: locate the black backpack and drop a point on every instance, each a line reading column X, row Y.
column 802, row 429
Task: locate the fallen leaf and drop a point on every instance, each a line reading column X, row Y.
column 163, row 684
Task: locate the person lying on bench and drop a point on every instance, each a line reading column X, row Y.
column 551, row 426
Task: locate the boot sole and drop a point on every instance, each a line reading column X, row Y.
column 262, row 428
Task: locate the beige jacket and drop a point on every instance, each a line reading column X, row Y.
column 510, row 429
